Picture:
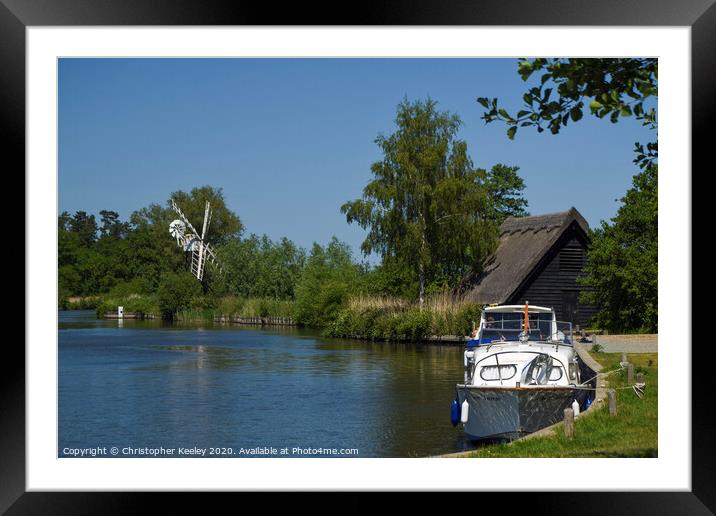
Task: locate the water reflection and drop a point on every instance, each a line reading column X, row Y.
column 146, row 383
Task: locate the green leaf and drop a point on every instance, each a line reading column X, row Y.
column 576, row 113
column 595, row 106
column 524, row 68
column 511, row 132
column 484, row 102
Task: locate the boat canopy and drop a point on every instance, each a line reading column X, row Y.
column 517, row 308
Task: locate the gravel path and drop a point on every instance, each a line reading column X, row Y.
column 627, row 343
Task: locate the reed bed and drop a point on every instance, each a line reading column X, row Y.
column 385, row 318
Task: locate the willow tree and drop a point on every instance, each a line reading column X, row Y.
column 426, row 207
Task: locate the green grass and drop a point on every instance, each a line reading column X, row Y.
column 633, row 432
column 255, row 307
column 133, row 303
column 202, row 308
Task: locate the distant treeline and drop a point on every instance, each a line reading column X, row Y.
column 137, row 264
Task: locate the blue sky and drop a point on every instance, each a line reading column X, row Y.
column 290, row 140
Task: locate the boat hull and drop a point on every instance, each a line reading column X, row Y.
column 509, row 413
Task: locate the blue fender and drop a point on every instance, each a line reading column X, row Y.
column 455, row 412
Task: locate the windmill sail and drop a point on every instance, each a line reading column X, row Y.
column 189, row 239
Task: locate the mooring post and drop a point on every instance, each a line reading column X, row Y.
column 630, row 374
column 612, row 397
column 640, row 378
column 568, row 423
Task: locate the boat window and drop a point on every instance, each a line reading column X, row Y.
column 514, row 321
column 555, row 374
column 492, row 372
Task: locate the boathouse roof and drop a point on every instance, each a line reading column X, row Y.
column 524, row 244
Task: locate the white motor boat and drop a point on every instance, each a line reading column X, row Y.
column 521, row 372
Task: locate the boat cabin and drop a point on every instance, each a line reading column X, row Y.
column 506, row 323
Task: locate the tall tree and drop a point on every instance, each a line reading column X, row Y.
column 425, row 207
column 85, row 226
column 613, row 87
column 505, row 191
column 63, row 221
column 326, row 282
column 156, row 252
column 111, row 225
column 225, row 224
column 259, row 267
column 621, row 271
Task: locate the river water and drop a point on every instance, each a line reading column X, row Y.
column 146, row 386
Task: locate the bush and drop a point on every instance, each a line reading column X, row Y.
column 176, row 292
column 320, row 307
column 414, row 324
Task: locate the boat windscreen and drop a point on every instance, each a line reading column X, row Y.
column 488, row 335
column 539, row 322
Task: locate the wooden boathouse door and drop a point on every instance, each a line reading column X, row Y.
column 570, row 306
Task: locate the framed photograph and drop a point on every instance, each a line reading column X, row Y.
column 268, row 252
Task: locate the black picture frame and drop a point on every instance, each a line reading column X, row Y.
column 16, row 15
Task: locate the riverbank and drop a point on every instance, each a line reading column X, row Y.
column 633, row 432
column 441, row 319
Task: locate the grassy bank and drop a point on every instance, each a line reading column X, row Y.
column 255, row 307
column 79, row 303
column 378, row 318
column 372, row 318
column 132, row 303
column 633, row 432
column 200, row 308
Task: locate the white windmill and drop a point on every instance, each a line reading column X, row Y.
column 188, row 239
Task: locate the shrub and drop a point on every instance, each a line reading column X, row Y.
column 176, row 292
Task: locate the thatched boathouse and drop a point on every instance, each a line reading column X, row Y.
column 538, row 260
